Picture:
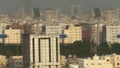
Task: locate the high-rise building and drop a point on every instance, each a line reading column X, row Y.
column 49, row 14
column 74, row 33
column 111, row 34
column 86, row 31
column 108, row 15
column 13, row 36
column 95, row 36
column 41, row 51
column 118, row 13
column 76, row 10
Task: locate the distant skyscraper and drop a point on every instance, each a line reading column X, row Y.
column 41, row 51
column 76, row 10
column 108, row 15
column 118, row 13
column 49, row 14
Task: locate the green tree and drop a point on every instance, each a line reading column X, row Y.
column 10, row 49
column 81, row 49
column 103, row 49
column 115, row 48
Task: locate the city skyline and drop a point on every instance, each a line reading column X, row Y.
column 64, row 5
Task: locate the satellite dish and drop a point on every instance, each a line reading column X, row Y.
column 3, row 35
column 118, row 36
column 62, row 36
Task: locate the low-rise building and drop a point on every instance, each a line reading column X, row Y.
column 15, row 62
column 94, row 63
column 73, row 66
column 62, row 61
column 2, row 61
column 114, row 59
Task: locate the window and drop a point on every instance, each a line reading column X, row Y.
column 108, row 60
column 92, row 63
column 117, row 57
column 118, row 64
column 99, row 63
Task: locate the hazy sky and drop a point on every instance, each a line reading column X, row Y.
column 12, row 5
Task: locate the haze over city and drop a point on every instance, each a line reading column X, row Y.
column 86, row 5
column 59, row 34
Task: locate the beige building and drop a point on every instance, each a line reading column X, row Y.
column 114, row 59
column 62, row 61
column 15, row 62
column 2, row 61
column 13, row 36
column 74, row 33
column 94, row 63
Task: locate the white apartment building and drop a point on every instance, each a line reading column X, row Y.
column 13, row 36
column 111, row 34
column 52, row 29
column 41, row 51
column 94, row 63
column 36, row 28
column 74, row 33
